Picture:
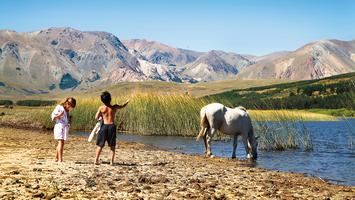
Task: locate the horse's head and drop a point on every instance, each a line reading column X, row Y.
column 254, row 148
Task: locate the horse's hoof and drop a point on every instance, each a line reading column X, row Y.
column 234, row 157
column 211, row 156
column 251, row 157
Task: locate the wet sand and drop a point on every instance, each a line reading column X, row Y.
column 28, row 170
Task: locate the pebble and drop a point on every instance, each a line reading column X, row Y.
column 38, row 195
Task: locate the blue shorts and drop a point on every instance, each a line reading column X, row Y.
column 107, row 133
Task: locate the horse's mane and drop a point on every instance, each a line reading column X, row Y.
column 242, row 108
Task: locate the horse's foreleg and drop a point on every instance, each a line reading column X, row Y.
column 235, row 144
column 246, row 145
column 209, row 136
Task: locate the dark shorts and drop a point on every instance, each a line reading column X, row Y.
column 107, row 133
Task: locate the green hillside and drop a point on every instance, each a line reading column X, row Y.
column 336, row 92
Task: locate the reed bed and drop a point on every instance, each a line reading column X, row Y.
column 281, row 130
column 178, row 115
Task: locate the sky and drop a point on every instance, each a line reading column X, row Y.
column 255, row 27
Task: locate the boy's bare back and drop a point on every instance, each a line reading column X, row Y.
column 108, row 113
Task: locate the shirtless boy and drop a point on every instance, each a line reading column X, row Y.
column 108, row 130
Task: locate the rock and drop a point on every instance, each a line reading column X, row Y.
column 16, row 172
column 52, row 195
column 17, row 181
column 38, row 195
column 147, row 187
column 90, row 182
column 152, row 180
column 36, row 187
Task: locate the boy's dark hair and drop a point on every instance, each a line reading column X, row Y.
column 106, row 98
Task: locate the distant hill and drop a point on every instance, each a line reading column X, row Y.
column 313, row 61
column 331, row 92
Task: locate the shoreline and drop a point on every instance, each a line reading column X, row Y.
column 141, row 171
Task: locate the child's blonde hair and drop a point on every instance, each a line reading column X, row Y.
column 69, row 100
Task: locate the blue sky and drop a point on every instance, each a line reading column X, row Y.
column 242, row 26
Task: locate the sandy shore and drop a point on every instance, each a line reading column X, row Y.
column 28, row 170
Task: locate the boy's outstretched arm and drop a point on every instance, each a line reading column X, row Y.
column 122, row 106
column 98, row 114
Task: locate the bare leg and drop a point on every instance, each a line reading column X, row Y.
column 57, row 153
column 235, row 144
column 112, row 152
column 98, row 152
column 60, row 150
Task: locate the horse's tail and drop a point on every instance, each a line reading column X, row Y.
column 204, row 126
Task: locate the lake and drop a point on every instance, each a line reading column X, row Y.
column 332, row 159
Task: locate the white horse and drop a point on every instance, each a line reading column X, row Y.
column 230, row 121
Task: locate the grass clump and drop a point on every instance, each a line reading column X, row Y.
column 281, row 130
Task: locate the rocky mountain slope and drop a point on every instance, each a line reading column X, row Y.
column 201, row 66
column 312, row 61
column 64, row 58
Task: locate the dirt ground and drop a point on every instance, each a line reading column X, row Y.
column 28, row 170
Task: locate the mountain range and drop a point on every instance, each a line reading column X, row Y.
column 65, row 58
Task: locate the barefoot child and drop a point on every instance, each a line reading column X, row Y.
column 108, row 130
column 61, row 128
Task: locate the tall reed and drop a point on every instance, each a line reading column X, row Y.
column 281, row 130
column 178, row 115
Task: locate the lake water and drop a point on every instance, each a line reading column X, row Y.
column 332, row 158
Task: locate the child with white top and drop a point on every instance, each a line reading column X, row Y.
column 61, row 129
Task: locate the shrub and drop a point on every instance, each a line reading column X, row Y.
column 35, row 103
column 6, row 102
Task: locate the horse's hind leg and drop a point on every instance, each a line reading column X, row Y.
column 209, row 136
column 235, row 144
column 205, row 142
